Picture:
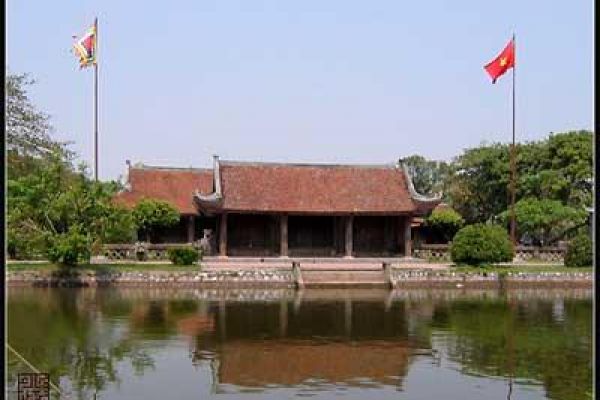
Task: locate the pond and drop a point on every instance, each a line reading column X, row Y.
column 182, row 343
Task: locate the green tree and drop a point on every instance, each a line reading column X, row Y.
column 444, row 222
column 52, row 208
column 556, row 168
column 56, row 210
column 150, row 215
column 478, row 187
column 559, row 168
column 545, row 221
column 28, row 139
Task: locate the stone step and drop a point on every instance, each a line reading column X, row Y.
column 345, row 284
column 342, row 267
column 321, row 278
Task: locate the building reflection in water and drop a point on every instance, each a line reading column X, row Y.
column 310, row 339
column 259, row 339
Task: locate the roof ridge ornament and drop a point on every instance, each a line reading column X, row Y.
column 411, row 187
column 125, row 177
column 215, row 197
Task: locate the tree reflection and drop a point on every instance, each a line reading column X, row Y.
column 63, row 332
column 85, row 338
column 525, row 341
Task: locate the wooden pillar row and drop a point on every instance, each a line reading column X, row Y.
column 407, row 237
column 283, row 242
column 191, row 229
column 223, row 236
column 349, row 238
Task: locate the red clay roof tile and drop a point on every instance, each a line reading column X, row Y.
column 271, row 187
column 176, row 186
column 293, row 188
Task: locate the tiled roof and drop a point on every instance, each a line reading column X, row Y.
column 274, row 187
column 174, row 185
column 297, row 188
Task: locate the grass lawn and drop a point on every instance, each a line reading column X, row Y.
column 177, row 268
column 520, row 268
column 102, row 267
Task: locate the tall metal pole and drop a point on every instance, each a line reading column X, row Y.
column 96, row 101
column 513, row 166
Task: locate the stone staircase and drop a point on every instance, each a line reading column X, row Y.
column 326, row 276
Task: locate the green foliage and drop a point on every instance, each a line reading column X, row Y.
column 57, row 200
column 557, row 168
column 428, row 176
column 481, row 244
column 70, row 248
column 52, row 208
column 545, row 221
column 445, row 222
column 28, row 140
column 579, row 252
column 150, row 214
column 183, row 255
column 478, row 187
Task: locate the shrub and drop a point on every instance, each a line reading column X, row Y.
column 69, row 248
column 183, row 255
column 481, row 244
column 444, row 222
column 579, row 252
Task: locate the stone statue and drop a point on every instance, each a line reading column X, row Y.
column 207, row 242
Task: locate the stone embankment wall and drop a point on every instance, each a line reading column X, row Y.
column 446, row 279
column 285, row 278
column 247, row 278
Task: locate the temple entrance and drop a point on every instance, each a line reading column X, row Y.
column 375, row 236
column 313, row 236
column 253, row 235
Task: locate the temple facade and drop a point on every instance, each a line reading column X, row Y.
column 256, row 209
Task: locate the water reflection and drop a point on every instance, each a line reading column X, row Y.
column 107, row 341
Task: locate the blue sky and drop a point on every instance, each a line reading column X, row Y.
column 303, row 81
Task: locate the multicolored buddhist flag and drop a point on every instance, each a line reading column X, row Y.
column 86, row 47
column 503, row 62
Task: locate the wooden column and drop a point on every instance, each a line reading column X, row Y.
column 223, row 236
column 191, row 228
column 335, row 236
column 349, row 239
column 388, row 230
column 407, row 237
column 283, row 239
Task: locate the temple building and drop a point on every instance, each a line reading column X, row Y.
column 257, row 209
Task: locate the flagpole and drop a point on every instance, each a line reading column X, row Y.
column 513, row 166
column 96, row 102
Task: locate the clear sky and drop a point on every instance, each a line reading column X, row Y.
column 303, row 81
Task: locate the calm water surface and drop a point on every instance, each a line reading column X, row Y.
column 322, row 344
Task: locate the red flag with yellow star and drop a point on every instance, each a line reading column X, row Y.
column 503, row 62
